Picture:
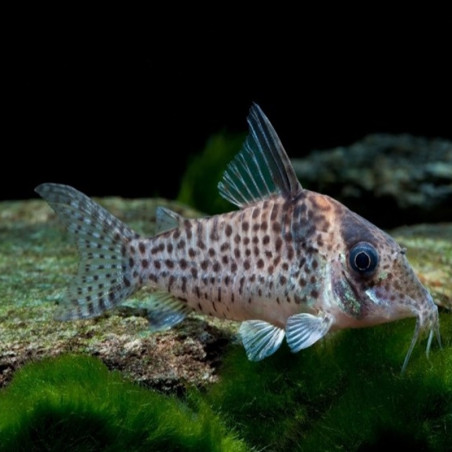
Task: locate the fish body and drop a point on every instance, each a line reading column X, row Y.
column 289, row 263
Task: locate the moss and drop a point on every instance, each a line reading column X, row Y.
column 75, row 403
column 343, row 394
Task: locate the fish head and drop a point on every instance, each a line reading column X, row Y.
column 372, row 281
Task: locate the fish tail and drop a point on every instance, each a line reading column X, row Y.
column 105, row 272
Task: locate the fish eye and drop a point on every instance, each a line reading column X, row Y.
column 363, row 258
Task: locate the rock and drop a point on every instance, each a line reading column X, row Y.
column 37, row 262
column 391, row 180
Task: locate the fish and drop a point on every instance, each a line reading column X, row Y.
column 287, row 263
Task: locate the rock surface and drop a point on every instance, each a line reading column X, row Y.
column 37, row 262
column 391, row 180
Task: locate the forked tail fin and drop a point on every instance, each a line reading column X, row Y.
column 104, row 276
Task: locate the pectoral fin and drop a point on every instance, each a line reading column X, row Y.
column 303, row 330
column 260, row 339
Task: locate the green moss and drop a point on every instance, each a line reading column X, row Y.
column 75, row 403
column 344, row 394
column 199, row 184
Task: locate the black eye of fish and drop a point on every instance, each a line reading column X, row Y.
column 363, row 258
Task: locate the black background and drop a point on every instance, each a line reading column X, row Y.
column 118, row 113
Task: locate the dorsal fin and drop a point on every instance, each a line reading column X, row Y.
column 261, row 168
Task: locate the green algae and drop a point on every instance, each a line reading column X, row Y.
column 75, row 403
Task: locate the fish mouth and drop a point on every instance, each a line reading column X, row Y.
column 427, row 319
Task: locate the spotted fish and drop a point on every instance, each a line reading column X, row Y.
column 289, row 263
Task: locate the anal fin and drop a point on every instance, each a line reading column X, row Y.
column 303, row 330
column 260, row 339
column 165, row 311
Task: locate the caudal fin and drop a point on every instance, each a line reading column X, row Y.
column 104, row 276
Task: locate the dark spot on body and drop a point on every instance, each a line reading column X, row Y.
column 183, row 264
column 245, row 226
column 274, row 212
column 314, row 293
column 242, row 280
column 246, row 264
column 256, row 212
column 260, row 263
column 169, row 263
column 145, row 263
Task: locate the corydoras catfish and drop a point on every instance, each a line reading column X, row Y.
column 288, row 263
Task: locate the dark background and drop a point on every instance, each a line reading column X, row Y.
column 114, row 116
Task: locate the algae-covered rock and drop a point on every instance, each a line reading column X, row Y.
column 37, row 262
